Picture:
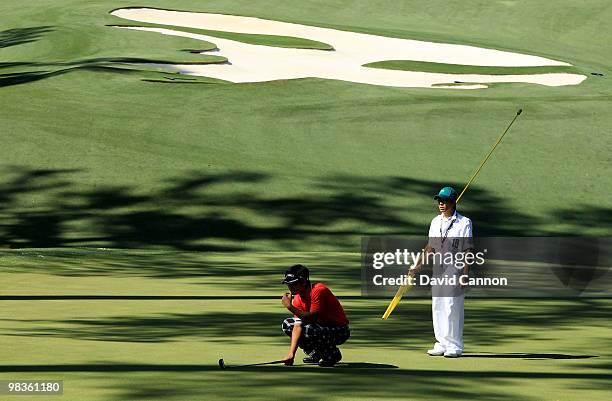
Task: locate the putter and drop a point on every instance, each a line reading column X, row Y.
column 222, row 364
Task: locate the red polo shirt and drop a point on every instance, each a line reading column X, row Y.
column 323, row 301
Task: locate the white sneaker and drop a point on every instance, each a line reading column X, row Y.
column 435, row 352
column 452, row 354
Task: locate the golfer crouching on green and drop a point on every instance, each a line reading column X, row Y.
column 319, row 323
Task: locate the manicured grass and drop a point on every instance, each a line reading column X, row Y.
column 139, row 48
column 212, row 190
column 131, row 160
column 408, row 65
column 143, row 325
column 134, row 349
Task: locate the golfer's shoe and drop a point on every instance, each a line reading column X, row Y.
column 334, row 359
column 452, row 354
column 312, row 357
column 435, row 352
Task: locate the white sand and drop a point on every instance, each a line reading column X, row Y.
column 253, row 63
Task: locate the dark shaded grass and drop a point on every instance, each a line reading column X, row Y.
column 20, row 36
column 482, row 324
column 372, row 381
column 121, row 217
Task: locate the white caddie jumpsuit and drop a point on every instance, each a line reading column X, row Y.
column 453, row 234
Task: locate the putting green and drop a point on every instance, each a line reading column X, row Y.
column 142, row 325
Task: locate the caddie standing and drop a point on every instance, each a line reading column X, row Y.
column 450, row 233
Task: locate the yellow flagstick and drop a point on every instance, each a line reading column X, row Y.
column 402, row 289
column 396, row 299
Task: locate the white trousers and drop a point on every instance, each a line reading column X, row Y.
column 447, row 316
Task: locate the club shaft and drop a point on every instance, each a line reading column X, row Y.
column 257, row 364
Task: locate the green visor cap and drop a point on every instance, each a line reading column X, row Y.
column 446, row 193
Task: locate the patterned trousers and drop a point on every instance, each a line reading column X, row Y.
column 323, row 340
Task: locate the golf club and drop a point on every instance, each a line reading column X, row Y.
column 402, row 289
column 222, row 364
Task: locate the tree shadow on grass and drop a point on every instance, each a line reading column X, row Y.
column 32, row 71
column 114, row 65
column 374, row 383
column 26, row 77
column 584, row 215
column 20, row 36
column 191, row 212
column 264, row 382
column 200, row 212
column 412, row 321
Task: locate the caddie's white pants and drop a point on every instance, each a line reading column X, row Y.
column 447, row 316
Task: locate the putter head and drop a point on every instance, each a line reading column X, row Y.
column 221, row 363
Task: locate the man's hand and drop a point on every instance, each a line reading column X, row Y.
column 289, row 359
column 414, row 271
column 286, row 300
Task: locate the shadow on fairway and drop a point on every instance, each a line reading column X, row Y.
column 198, row 212
column 17, row 78
column 111, row 65
column 529, row 356
column 26, row 77
column 201, row 212
column 20, row 36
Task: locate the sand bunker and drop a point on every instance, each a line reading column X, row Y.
column 255, row 63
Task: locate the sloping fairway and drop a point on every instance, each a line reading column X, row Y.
column 203, row 192
column 305, row 164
